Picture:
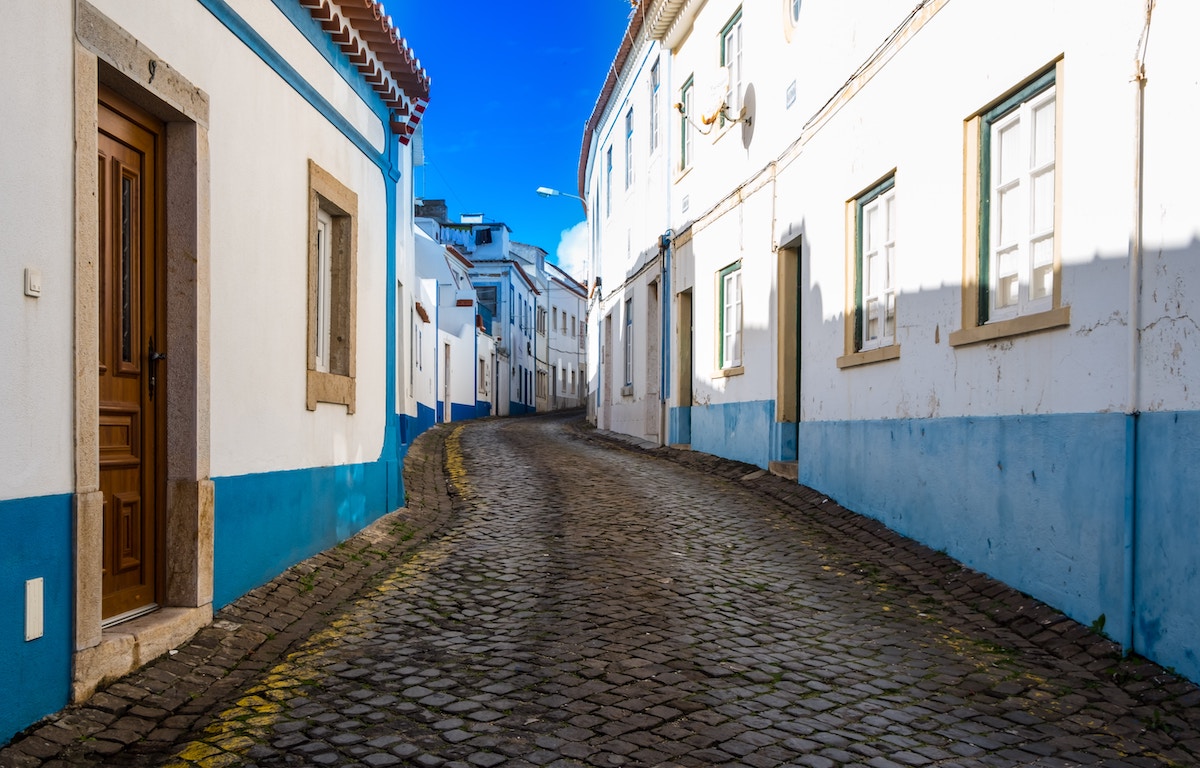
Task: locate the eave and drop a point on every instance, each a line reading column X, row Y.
column 364, row 32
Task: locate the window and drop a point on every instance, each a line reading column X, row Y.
column 875, row 287
column 487, row 298
column 794, row 11
column 608, row 182
column 1012, row 285
column 629, row 343
column 628, row 148
column 541, row 321
column 655, row 81
column 512, row 305
column 731, row 60
column 685, row 124
column 542, row 386
column 564, row 379
column 554, row 319
column 332, row 264
column 572, row 326
column 482, row 377
column 730, row 351
column 572, row 381
column 324, row 288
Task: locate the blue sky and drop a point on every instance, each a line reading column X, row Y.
column 512, row 85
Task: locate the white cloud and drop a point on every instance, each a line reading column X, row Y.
column 572, row 253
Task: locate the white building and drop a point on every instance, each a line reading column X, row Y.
column 567, row 339
column 207, row 218
column 452, row 388
column 946, row 274
column 625, row 176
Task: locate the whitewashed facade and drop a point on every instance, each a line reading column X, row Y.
column 566, row 340
column 625, row 177
column 944, row 276
column 204, row 229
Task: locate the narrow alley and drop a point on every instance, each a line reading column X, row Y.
column 558, row 598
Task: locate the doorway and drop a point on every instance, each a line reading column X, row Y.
column 132, row 354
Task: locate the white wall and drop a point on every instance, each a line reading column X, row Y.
column 261, row 135
column 36, row 380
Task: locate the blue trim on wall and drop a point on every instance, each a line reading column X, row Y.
column 256, row 535
column 519, row 409
column 250, row 37
column 739, row 431
column 36, row 674
column 303, row 20
column 461, row 412
column 415, row 425
column 679, row 425
column 1035, row 501
column 483, row 408
column 265, row 523
column 1167, row 617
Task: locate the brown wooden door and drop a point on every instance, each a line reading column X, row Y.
column 131, row 382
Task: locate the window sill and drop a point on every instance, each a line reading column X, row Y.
column 679, row 174
column 1018, row 326
column 627, row 390
column 866, row 357
column 725, row 373
column 332, row 388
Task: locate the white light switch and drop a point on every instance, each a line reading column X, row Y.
column 33, row 282
column 34, row 614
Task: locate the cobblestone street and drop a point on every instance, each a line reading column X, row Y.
column 559, row 598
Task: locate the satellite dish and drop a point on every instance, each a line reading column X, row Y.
column 712, row 100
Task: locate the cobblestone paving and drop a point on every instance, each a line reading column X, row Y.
column 591, row 603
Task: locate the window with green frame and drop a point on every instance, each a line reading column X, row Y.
column 729, row 332
column 686, row 99
column 1017, row 202
column 875, row 267
column 731, row 60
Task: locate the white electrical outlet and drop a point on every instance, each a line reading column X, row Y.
column 33, row 282
column 34, row 613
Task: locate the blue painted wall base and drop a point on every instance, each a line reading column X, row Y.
column 1039, row 502
column 266, row 523
column 679, row 426
column 745, row 432
column 38, row 537
column 1167, row 558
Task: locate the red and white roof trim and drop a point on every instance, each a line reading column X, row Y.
column 364, row 32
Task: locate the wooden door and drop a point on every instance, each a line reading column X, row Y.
column 132, row 373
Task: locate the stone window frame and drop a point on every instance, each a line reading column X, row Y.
column 337, row 384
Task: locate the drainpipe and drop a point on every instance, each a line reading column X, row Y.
column 1132, row 411
column 664, row 349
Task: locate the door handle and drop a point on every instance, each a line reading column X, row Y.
column 155, row 356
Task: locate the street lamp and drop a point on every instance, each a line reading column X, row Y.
column 547, row 192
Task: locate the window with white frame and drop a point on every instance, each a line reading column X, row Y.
column 686, row 101
column 729, row 353
column 875, row 268
column 628, row 148
column 1012, row 267
column 1017, row 185
column 629, row 342
column 324, row 281
column 608, row 165
column 655, row 82
column 731, row 60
